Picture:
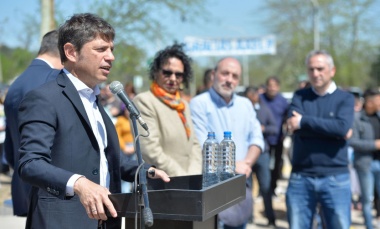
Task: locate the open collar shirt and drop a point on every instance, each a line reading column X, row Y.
column 88, row 97
column 210, row 112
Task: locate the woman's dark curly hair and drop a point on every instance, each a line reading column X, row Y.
column 164, row 55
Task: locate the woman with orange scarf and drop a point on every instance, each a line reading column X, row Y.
column 172, row 145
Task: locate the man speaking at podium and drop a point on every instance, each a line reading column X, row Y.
column 69, row 148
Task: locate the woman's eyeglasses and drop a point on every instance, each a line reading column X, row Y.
column 168, row 73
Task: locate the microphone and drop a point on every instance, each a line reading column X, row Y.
column 117, row 89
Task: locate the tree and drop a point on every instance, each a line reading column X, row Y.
column 129, row 62
column 141, row 20
column 14, row 62
column 47, row 17
column 375, row 71
column 344, row 28
column 138, row 23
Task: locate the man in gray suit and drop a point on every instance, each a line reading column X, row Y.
column 69, row 147
column 42, row 69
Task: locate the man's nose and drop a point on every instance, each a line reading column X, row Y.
column 229, row 78
column 110, row 56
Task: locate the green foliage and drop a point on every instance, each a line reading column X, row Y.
column 138, row 23
column 375, row 71
column 14, row 62
column 128, row 62
column 345, row 31
column 348, row 30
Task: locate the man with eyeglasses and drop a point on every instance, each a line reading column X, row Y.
column 171, row 145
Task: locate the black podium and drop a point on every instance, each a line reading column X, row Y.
column 182, row 203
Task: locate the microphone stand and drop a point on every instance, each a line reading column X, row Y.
column 146, row 216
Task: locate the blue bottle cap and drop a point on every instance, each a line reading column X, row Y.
column 227, row 133
column 211, row 134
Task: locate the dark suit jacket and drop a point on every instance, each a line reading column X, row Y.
column 37, row 73
column 56, row 142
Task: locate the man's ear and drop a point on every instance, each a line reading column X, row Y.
column 212, row 75
column 70, row 52
column 333, row 70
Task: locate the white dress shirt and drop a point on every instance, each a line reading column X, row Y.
column 88, row 97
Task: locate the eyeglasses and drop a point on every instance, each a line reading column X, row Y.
column 168, row 73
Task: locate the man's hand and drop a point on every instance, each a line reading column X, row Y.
column 349, row 134
column 243, row 167
column 93, row 197
column 293, row 123
column 159, row 174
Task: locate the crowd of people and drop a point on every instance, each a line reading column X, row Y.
column 68, row 158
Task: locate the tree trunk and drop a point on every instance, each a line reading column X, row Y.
column 47, row 17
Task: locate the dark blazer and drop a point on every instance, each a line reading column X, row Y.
column 37, row 73
column 56, row 142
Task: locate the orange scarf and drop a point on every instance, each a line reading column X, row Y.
column 173, row 101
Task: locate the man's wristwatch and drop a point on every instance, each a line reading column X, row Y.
column 151, row 172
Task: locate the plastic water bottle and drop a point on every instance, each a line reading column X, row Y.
column 227, row 150
column 210, row 161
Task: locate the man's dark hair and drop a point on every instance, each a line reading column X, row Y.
column 274, row 78
column 370, row 92
column 49, row 44
column 83, row 28
column 207, row 76
column 162, row 57
column 250, row 89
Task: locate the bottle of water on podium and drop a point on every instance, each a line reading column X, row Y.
column 210, row 161
column 227, row 150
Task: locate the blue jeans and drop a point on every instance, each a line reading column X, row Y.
column 333, row 193
column 369, row 181
column 263, row 174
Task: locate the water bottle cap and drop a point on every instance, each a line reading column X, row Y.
column 227, row 133
column 211, row 134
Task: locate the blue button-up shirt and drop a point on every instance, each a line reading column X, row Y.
column 210, row 112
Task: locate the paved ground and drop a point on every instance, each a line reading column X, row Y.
column 7, row 220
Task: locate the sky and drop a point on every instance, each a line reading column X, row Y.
column 231, row 19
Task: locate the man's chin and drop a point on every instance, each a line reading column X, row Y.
column 226, row 94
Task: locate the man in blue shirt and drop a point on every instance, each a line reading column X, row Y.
column 320, row 118
column 278, row 105
column 261, row 168
column 220, row 109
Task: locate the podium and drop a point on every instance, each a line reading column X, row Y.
column 182, row 203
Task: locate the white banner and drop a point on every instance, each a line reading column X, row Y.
column 235, row 46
